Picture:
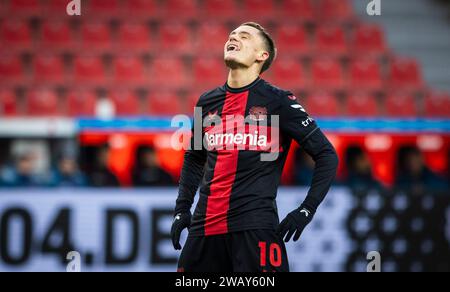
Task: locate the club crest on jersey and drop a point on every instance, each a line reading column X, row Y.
column 258, row 113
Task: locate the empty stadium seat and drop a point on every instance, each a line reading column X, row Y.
column 56, row 35
column 11, row 69
column 331, row 40
column 362, row 105
column 42, row 102
column 175, row 38
column 401, row 105
column 164, row 103
column 322, row 104
column 56, row 7
column 168, row 72
column 225, row 9
column 108, row 8
column 16, row 34
column 327, row 73
column 212, row 36
column 365, row 74
column 129, row 70
column 48, row 69
column 180, row 8
column 405, row 74
column 95, row 36
column 141, row 8
column 89, row 70
column 292, row 39
column 437, row 104
column 258, row 8
column 300, row 9
column 24, row 7
column 81, row 103
column 368, row 39
column 126, row 102
column 332, row 10
column 289, row 73
column 209, row 72
column 134, row 36
column 8, row 103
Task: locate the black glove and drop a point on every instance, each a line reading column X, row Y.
column 180, row 222
column 295, row 222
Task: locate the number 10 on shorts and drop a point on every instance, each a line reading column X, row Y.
column 274, row 254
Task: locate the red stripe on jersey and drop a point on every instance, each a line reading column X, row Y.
column 224, row 173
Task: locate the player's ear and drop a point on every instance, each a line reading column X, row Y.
column 262, row 56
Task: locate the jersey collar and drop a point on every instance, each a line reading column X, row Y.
column 242, row 89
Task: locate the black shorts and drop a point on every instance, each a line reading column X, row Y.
column 245, row 251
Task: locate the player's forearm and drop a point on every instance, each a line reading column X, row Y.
column 326, row 160
column 191, row 175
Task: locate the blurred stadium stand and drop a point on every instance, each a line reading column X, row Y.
column 46, row 46
column 149, row 58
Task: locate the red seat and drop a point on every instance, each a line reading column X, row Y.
column 104, row 7
column 340, row 10
column 48, row 69
column 437, row 104
column 209, row 72
column 331, row 40
column 300, row 9
column 258, row 8
column 164, row 103
column 168, row 72
column 95, row 36
column 15, row 33
column 405, row 74
column 42, row 102
column 212, row 36
column 369, row 39
column 175, row 38
column 322, row 104
column 292, row 39
column 129, row 70
column 365, row 74
column 288, row 72
column 89, row 70
column 81, row 103
column 57, row 35
column 134, row 36
column 24, row 7
column 220, row 8
column 180, row 8
column 141, row 8
column 56, row 7
column 8, row 103
column 11, row 69
column 192, row 99
column 126, row 102
column 362, row 105
column 400, row 104
column 327, row 73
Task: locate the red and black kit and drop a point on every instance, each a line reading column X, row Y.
column 237, row 188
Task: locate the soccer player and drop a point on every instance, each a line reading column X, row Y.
column 235, row 226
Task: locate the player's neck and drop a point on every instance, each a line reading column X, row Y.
column 238, row 78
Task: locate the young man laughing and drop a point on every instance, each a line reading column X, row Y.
column 235, row 226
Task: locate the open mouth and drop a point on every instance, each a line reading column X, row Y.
column 232, row 47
